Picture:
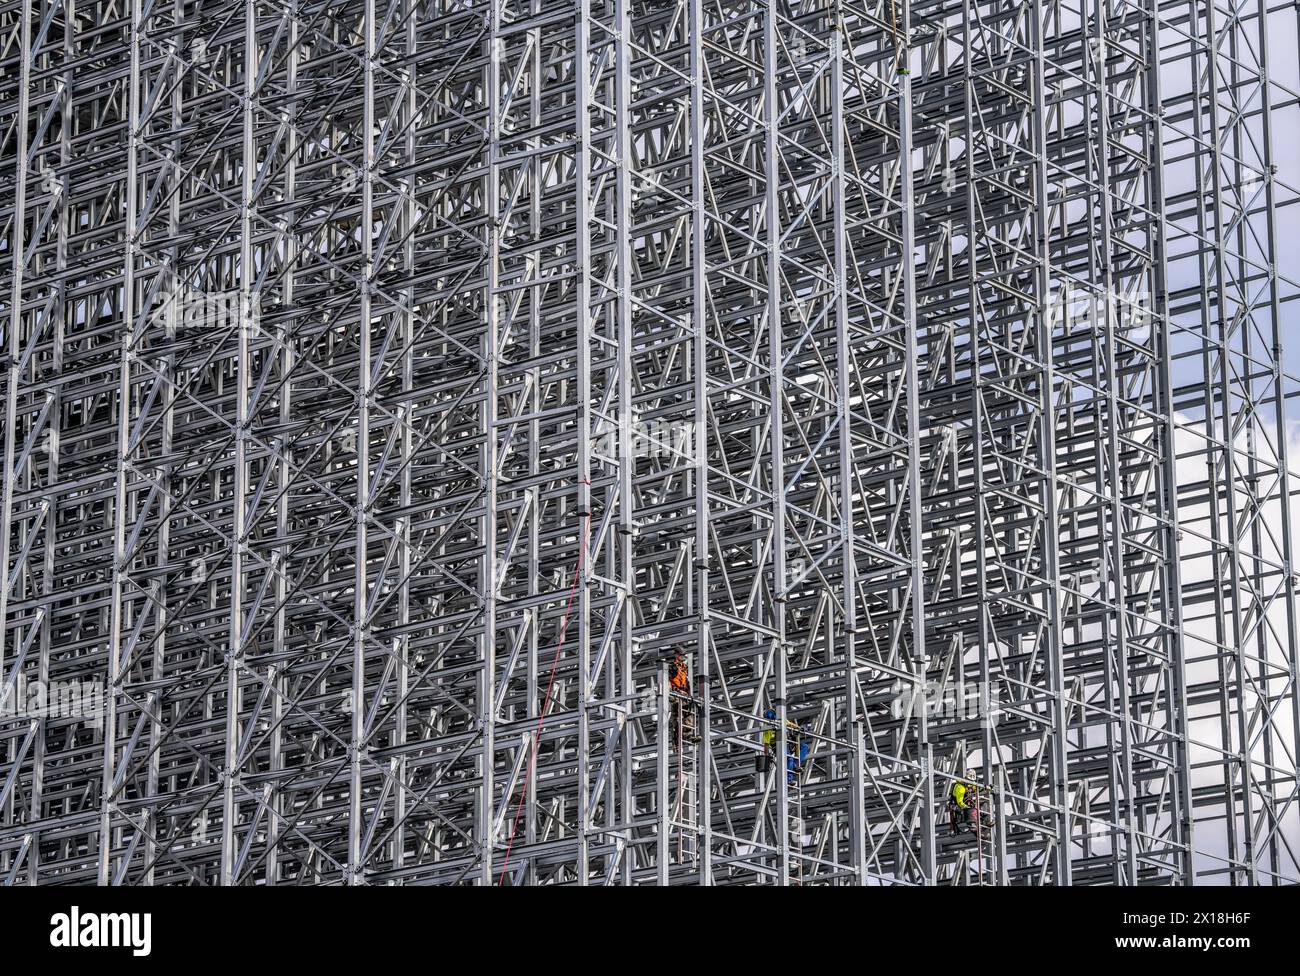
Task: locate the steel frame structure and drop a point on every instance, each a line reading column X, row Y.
column 392, row 387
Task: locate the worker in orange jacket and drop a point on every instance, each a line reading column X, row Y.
column 679, row 676
column 679, row 680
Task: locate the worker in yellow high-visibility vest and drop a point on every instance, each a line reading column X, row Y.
column 961, row 796
column 769, row 740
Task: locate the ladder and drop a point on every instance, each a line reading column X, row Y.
column 985, row 845
column 685, row 809
column 796, row 836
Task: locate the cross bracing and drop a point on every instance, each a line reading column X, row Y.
column 393, row 389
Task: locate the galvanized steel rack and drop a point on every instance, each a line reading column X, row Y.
column 392, row 389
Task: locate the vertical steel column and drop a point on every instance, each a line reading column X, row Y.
column 1181, row 817
column 487, row 825
column 848, row 557
column 243, row 367
column 699, row 568
column 117, row 624
column 13, row 349
column 582, row 66
column 399, row 766
column 361, row 583
column 13, row 355
column 1226, row 322
column 1059, row 771
column 159, row 590
column 1122, row 788
column 776, row 433
column 1276, row 753
column 277, row 673
column 620, row 685
column 916, row 595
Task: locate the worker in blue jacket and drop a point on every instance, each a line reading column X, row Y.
column 796, row 750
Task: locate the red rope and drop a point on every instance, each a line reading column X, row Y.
column 546, row 699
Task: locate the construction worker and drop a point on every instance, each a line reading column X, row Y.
column 796, row 750
column 769, row 740
column 679, row 680
column 959, row 804
column 963, row 805
column 679, row 676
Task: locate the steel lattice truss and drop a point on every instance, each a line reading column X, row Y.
column 387, row 381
